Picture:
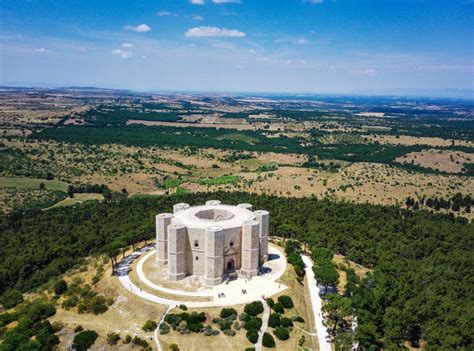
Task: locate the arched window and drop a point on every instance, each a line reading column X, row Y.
column 231, row 243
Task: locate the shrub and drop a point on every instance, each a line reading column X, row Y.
column 229, row 332
column 183, row 307
column 149, row 326
column 270, row 302
column 282, row 333
column 237, row 326
column 225, row 324
column 127, row 339
column 11, row 298
column 250, row 349
column 253, row 323
column 297, row 319
column 286, row 322
column 174, row 347
column 60, row 287
column 140, row 342
column 58, row 326
column 301, row 340
column 278, row 308
column 84, row 340
column 244, row 317
column 268, row 340
column 226, row 312
column 286, row 301
column 112, row 338
column 78, row 329
column 252, row 336
column 254, row 308
column 275, row 320
column 70, row 302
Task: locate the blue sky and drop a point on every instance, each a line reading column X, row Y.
column 332, row 46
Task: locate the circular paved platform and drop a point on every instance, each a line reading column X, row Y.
column 231, row 293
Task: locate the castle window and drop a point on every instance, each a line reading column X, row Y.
column 196, row 243
column 231, row 243
column 197, row 258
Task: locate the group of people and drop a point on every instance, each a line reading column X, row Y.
column 244, row 291
column 221, row 295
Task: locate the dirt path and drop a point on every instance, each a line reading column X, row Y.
column 323, row 337
column 263, row 329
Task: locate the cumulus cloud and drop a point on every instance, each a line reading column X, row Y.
column 122, row 53
column 164, row 13
column 204, row 31
column 226, row 1
column 127, row 45
column 197, row 17
column 370, row 72
column 141, row 28
column 197, row 2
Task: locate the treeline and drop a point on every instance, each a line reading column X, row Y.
column 421, row 288
column 144, row 136
column 456, row 203
column 90, row 188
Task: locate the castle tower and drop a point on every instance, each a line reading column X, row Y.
column 246, row 206
column 177, row 238
column 250, row 248
column 180, row 207
column 162, row 221
column 214, row 252
column 263, row 217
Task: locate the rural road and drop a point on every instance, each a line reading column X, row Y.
column 316, row 302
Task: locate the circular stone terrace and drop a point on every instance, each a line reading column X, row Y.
column 190, row 292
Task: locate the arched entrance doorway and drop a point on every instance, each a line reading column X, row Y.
column 230, row 265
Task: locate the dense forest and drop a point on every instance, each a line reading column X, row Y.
column 421, row 288
column 138, row 135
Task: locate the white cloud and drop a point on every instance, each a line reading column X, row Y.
column 141, row 28
column 252, row 51
column 226, row 1
column 197, row 18
column 197, row 2
column 127, row 45
column 315, row 1
column 370, row 72
column 239, row 67
column 164, row 13
column 122, row 53
column 41, row 50
column 204, row 31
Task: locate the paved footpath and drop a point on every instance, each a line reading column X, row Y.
column 263, row 329
column 316, row 301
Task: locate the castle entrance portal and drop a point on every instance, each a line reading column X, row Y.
column 230, row 265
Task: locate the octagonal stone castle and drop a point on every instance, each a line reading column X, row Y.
column 212, row 242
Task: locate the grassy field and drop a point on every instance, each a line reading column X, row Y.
column 32, row 183
column 79, row 198
column 226, row 179
column 239, row 137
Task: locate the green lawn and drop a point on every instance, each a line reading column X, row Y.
column 172, row 183
column 79, row 198
column 239, row 137
column 229, row 179
column 32, row 183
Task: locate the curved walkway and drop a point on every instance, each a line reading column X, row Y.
column 255, row 287
column 263, row 329
column 321, row 331
column 146, row 281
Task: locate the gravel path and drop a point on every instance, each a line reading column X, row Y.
column 263, row 329
column 323, row 336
